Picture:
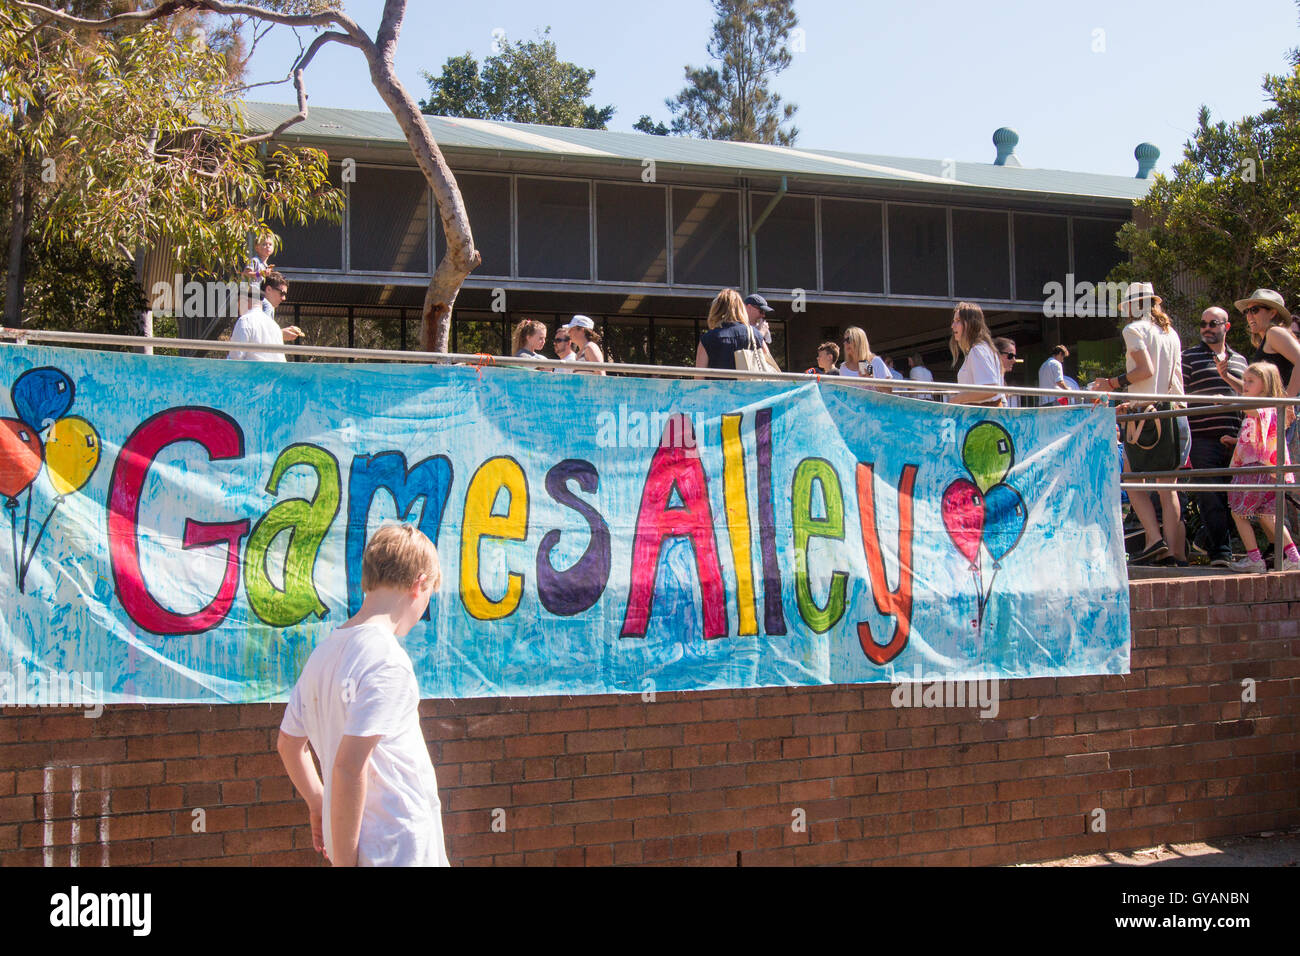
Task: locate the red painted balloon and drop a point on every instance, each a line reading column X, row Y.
column 20, row 456
column 963, row 516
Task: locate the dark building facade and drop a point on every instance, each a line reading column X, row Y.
column 640, row 232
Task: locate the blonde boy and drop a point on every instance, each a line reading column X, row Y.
column 357, row 703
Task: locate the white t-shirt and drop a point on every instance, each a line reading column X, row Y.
column 259, row 328
column 878, row 369
column 982, row 367
column 919, row 373
column 1165, row 351
column 359, row 682
column 1049, row 373
column 568, row 358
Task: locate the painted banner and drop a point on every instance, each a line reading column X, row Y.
column 190, row 529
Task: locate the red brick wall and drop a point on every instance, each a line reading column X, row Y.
column 1170, row 752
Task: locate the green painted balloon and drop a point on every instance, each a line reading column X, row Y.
column 988, row 454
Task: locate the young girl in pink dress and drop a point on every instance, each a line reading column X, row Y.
column 1256, row 444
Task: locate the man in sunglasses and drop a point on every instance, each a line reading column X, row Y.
column 1204, row 368
column 564, row 348
column 257, row 326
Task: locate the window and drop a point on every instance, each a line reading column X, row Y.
column 554, row 229
column 317, row 245
column 389, row 221
column 631, row 231
column 706, row 238
column 787, row 242
column 675, row 341
column 1095, row 252
column 918, row 250
column 479, row 335
column 981, row 258
column 487, row 203
column 1042, row 254
column 628, row 340
column 853, row 247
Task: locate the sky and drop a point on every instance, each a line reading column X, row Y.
column 1082, row 81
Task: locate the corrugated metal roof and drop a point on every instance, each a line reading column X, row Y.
column 328, row 124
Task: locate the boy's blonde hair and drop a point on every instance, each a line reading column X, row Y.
column 396, row 555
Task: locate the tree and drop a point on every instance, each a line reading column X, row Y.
column 105, row 156
column 646, row 125
column 333, row 26
column 1227, row 219
column 526, row 82
column 751, row 42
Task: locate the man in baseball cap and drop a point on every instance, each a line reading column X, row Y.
column 757, row 309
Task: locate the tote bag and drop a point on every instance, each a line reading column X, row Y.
column 750, row 359
column 1152, row 444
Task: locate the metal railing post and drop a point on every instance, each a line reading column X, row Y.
column 1279, row 477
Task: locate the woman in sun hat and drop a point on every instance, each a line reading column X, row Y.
column 1270, row 332
column 1154, row 365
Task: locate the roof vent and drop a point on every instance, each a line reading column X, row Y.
column 1146, row 154
column 1005, row 139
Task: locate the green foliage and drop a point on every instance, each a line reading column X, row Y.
column 132, row 141
column 525, row 83
column 750, row 41
column 646, row 125
column 1227, row 220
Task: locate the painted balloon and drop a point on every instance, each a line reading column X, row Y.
column 988, row 454
column 20, row 456
column 1005, row 515
column 71, row 454
column 42, row 395
column 963, row 516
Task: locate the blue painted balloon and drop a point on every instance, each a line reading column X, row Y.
column 1005, row 516
column 42, row 395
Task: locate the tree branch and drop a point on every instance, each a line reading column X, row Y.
column 298, row 68
column 318, row 20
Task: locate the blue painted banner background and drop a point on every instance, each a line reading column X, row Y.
column 191, row 528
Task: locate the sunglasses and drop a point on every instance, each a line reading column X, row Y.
column 558, row 339
column 1213, row 325
column 1253, row 309
column 1009, row 354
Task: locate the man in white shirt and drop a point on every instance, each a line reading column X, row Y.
column 917, row 372
column 1051, row 374
column 257, row 327
column 564, row 348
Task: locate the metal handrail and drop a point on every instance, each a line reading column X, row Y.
column 1209, row 404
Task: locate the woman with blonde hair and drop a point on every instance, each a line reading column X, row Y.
column 1154, row 366
column 729, row 333
column 529, row 339
column 982, row 366
column 859, row 360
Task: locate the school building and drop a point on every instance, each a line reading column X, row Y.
column 640, row 232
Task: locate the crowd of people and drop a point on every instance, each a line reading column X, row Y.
column 738, row 337
column 1157, row 363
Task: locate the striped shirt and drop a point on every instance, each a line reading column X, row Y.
column 1201, row 377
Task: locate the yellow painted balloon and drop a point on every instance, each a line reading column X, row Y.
column 71, row 454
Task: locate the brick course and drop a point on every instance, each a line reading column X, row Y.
column 1170, row 752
